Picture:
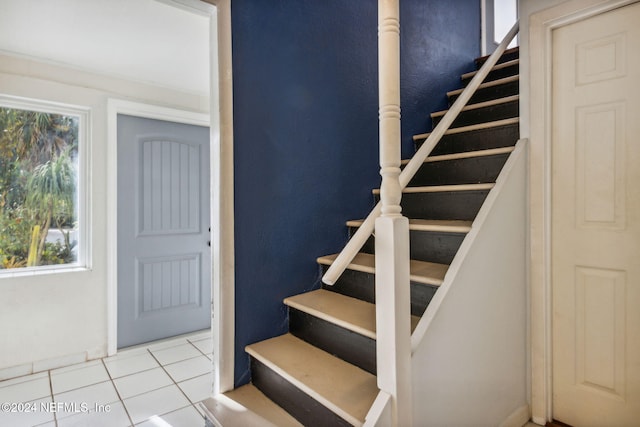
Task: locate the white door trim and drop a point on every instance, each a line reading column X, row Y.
column 220, row 121
column 541, row 26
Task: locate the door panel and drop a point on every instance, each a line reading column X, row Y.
column 164, row 268
column 596, row 220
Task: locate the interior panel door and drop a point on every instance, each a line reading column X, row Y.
column 596, row 220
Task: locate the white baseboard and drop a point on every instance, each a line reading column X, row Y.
column 46, row 364
column 518, row 418
column 539, row 421
column 16, row 371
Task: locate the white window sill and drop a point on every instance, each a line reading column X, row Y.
column 41, row 271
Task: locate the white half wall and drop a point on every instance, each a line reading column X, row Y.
column 469, row 360
column 49, row 320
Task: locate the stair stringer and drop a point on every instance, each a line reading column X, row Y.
column 469, row 357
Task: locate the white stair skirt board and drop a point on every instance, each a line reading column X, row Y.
column 465, row 155
column 465, row 248
column 488, row 84
column 484, row 104
column 443, row 226
column 345, row 389
column 496, row 67
column 350, row 313
column 470, row 128
column 428, row 273
column 246, row 406
column 442, row 188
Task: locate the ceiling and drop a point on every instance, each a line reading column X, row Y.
column 149, row 41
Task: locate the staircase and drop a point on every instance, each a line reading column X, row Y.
column 323, row 372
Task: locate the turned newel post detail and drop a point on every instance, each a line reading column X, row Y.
column 389, row 101
column 393, row 307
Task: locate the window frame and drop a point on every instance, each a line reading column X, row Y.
column 83, row 198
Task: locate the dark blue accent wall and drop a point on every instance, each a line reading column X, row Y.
column 438, row 41
column 306, row 133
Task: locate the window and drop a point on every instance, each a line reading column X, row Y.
column 505, row 14
column 42, row 186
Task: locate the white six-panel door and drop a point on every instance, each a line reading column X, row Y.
column 596, row 220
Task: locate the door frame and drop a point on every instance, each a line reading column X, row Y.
column 220, row 121
column 538, row 121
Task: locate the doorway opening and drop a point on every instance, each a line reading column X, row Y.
column 220, row 121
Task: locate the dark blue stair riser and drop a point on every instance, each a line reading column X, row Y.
column 506, row 110
column 490, row 93
column 361, row 285
column 427, row 245
column 300, row 405
column 343, row 343
column 473, row 170
column 483, row 139
column 511, row 70
column 447, row 205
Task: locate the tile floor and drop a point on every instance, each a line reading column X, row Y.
column 153, row 385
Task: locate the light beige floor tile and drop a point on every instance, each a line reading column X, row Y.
column 127, row 352
column 175, row 354
column 33, row 414
column 130, row 364
column 189, row 368
column 205, row 346
column 198, row 388
column 157, row 402
column 185, row 417
column 85, row 398
column 78, row 376
column 22, row 379
column 76, row 366
column 200, row 335
column 168, row 343
column 32, row 388
column 142, row 382
column 116, row 416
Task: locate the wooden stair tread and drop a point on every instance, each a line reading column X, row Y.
column 444, row 188
column 428, row 273
column 480, row 126
column 444, row 226
column 350, row 313
column 495, row 67
column 492, row 83
column 345, row 389
column 466, row 155
column 246, row 406
column 478, row 105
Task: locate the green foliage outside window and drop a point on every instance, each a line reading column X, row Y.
column 38, row 187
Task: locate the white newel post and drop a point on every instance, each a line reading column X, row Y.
column 392, row 229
